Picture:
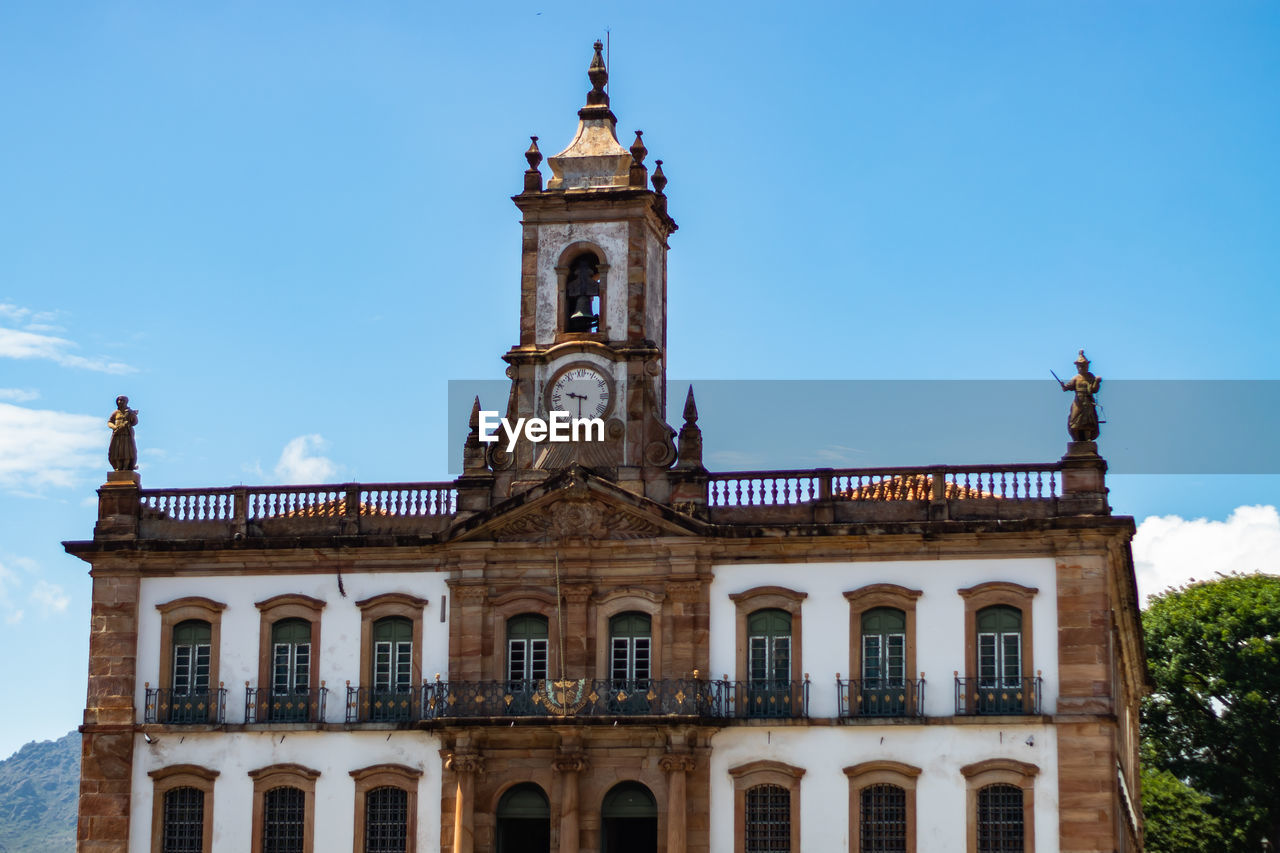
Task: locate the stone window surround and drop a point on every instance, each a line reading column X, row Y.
column 383, row 606
column 622, row 601
column 768, row 598
column 1000, row 771
column 764, row 772
column 870, row 773
column 988, row 595
column 516, row 603
column 173, row 613
column 881, row 595
column 387, row 776
column 288, row 606
column 280, row 776
column 567, row 256
column 165, row 779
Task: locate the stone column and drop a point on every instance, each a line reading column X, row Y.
column 569, row 766
column 676, row 767
column 465, row 766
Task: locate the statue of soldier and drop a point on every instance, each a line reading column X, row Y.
column 1082, row 422
column 123, row 452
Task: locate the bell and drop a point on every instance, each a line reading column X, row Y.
column 580, row 320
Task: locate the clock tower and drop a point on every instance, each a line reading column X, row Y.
column 593, row 308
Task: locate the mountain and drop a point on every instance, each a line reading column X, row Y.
column 38, row 792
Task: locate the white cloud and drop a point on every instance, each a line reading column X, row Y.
column 50, row 597
column 301, row 463
column 9, row 582
column 1169, row 551
column 39, row 447
column 18, row 395
column 16, row 343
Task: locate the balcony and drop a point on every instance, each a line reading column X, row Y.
column 262, row 705
column 185, row 707
column 998, row 696
column 860, row 698
column 600, row 698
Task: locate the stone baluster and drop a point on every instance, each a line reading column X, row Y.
column 676, row 767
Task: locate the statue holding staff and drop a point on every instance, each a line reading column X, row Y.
column 1082, row 421
column 123, row 452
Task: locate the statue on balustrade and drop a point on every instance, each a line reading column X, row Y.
column 1082, row 421
column 123, row 452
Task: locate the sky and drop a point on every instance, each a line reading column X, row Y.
column 283, row 228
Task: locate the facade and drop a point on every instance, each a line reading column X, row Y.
column 599, row 645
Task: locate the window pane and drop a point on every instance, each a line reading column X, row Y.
column 896, row 658
column 781, row 670
column 283, row 820
column 1000, row 819
column 871, row 670
column 884, row 620
column 386, row 820
column 1011, row 651
column 768, row 816
column 537, row 659
column 620, row 659
column 883, row 819
column 183, row 821
column 517, row 658
column 987, row 665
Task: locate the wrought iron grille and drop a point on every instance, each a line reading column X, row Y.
column 183, row 708
column 386, row 820
column 883, row 819
column 380, row 705
column 573, row 697
column 183, row 821
column 283, row 820
column 1000, row 827
column 998, row 696
column 768, row 816
column 880, row 697
column 267, row 706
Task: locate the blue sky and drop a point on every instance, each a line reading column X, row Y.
column 283, row 228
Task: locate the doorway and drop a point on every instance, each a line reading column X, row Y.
column 629, row 820
column 524, row 821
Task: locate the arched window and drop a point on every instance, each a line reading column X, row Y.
column 386, row 820
column 768, row 819
column 290, row 670
column 884, row 647
column 392, row 655
column 769, row 647
column 1000, row 820
column 191, row 652
column 999, row 646
column 629, row 819
column 284, row 820
column 524, row 821
column 526, row 649
column 582, row 294
column 630, row 638
column 882, row 819
column 183, row 821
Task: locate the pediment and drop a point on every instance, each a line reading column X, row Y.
column 575, row 506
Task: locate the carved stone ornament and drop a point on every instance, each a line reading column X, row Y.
column 465, row 762
column 576, row 519
column 569, row 763
column 676, row 763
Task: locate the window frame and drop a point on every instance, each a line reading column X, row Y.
column 870, row 773
column 769, row 598
column 188, row 608
column 632, row 651
column 387, row 776
column 508, row 606
column 166, row 779
column 986, row 595
column 387, row 605
column 277, row 609
column 764, row 772
column 624, row 601
column 1000, row 771
column 280, row 776
column 874, row 596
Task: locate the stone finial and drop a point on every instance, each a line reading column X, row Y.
column 598, row 74
column 689, row 454
column 639, row 175
column 690, row 408
column 659, row 179
column 474, row 422
column 474, row 460
column 533, row 177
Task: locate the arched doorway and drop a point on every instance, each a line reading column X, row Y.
column 629, row 819
column 524, row 820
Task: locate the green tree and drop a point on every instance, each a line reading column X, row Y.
column 1177, row 817
column 1213, row 718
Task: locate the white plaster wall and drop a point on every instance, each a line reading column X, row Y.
column 333, row 754
column 939, row 750
column 611, row 237
column 940, row 641
column 339, row 626
column 655, row 289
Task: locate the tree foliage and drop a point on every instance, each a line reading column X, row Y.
column 1213, row 720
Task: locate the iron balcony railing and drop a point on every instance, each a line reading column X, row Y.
column 263, row 705
column 185, row 707
column 673, row 697
column 880, row 697
column 998, row 696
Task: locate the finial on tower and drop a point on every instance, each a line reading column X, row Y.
column 533, row 177
column 639, row 173
column 689, row 444
column 659, row 179
column 690, row 408
column 599, row 76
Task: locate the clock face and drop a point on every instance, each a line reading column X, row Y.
column 583, row 392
